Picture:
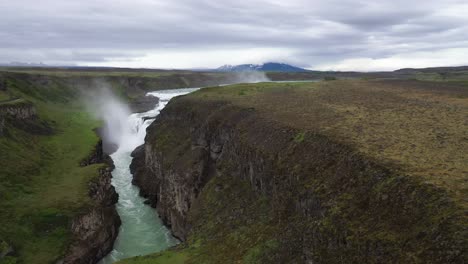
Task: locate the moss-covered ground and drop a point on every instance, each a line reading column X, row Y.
column 417, row 127
column 238, row 233
column 174, row 256
column 42, row 185
column 4, row 96
column 413, row 128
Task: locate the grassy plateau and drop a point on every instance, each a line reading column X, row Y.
column 413, row 132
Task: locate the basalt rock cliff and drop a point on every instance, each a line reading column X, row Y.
column 22, row 114
column 18, row 109
column 143, row 103
column 299, row 196
column 95, row 230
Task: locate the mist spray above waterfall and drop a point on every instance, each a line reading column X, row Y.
column 141, row 232
column 249, row 77
column 123, row 130
column 106, row 106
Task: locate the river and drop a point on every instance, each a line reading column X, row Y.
column 141, row 232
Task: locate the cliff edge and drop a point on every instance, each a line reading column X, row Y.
column 326, row 172
column 95, row 230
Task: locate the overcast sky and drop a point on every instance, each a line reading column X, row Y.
column 322, row 35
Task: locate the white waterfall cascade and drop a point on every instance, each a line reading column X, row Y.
column 141, row 232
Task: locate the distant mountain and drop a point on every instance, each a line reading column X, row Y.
column 269, row 66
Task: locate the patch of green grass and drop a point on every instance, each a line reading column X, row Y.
column 9, row 260
column 299, row 137
column 172, row 256
column 4, row 96
column 260, row 251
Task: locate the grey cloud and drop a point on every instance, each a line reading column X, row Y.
column 100, row 31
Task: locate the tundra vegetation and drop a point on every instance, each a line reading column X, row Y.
column 42, row 186
column 345, row 169
column 412, row 128
column 45, row 132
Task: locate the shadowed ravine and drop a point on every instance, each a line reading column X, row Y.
column 141, row 232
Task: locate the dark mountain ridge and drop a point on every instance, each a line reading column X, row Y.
column 266, row 67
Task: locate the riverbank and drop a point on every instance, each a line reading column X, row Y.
column 368, row 171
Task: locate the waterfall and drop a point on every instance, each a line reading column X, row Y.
column 141, row 232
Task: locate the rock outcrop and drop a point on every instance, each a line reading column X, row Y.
column 18, row 109
column 97, row 156
column 22, row 114
column 143, row 104
column 94, row 232
column 333, row 204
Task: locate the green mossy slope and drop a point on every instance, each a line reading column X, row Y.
column 42, row 185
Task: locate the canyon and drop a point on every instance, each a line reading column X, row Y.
column 45, row 133
column 239, row 177
column 94, row 232
column 296, row 172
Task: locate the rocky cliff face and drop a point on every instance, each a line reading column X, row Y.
column 22, row 114
column 18, row 109
column 143, row 104
column 328, row 203
column 98, row 155
column 94, row 232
